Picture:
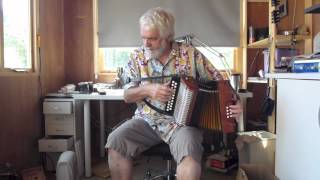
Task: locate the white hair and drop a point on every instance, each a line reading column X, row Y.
column 161, row 19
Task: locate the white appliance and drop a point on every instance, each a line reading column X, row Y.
column 67, row 166
column 298, row 126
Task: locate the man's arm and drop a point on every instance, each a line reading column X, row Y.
column 160, row 92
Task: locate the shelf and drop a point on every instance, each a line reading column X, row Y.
column 258, row 0
column 286, row 39
column 305, row 76
column 313, row 9
column 257, row 80
column 264, row 43
column 281, row 40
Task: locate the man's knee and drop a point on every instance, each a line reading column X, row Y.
column 113, row 153
column 112, row 136
column 117, row 137
column 190, row 161
column 187, row 143
column 189, row 167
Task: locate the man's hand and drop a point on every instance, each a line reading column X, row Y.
column 160, row 92
column 236, row 110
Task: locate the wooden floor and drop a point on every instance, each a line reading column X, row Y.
column 156, row 165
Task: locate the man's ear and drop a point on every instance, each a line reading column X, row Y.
column 170, row 38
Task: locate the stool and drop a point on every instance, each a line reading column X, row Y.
column 161, row 150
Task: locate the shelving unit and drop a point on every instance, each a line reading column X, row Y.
column 264, row 43
column 313, row 9
column 257, row 80
column 273, row 41
column 280, row 40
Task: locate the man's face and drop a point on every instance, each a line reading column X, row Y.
column 154, row 45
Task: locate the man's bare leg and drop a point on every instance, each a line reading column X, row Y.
column 188, row 169
column 120, row 167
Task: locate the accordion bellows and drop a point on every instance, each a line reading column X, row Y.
column 204, row 105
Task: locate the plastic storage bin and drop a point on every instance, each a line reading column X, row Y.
column 256, row 147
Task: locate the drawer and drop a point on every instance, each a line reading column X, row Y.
column 59, row 125
column 57, row 107
column 55, row 143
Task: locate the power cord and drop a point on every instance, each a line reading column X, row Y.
column 253, row 61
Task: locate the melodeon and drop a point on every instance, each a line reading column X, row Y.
column 204, row 105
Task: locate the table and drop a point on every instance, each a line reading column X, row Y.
column 111, row 94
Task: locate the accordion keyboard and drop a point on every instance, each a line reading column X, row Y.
column 174, row 84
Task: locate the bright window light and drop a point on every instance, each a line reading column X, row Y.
column 118, row 57
column 17, row 34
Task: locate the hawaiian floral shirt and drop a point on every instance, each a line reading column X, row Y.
column 185, row 60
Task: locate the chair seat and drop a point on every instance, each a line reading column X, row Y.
column 162, row 149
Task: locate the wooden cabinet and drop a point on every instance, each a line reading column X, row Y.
column 63, row 116
column 63, row 130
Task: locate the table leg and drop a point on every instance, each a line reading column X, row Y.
column 87, row 140
column 241, row 122
column 102, row 129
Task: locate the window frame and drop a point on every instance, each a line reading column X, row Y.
column 34, row 38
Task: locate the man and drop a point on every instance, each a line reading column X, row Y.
column 159, row 56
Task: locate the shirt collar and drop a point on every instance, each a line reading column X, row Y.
column 173, row 54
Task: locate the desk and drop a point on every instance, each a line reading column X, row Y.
column 111, row 94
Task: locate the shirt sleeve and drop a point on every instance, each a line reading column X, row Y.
column 131, row 73
column 205, row 68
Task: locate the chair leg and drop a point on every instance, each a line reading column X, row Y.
column 169, row 169
column 147, row 176
column 168, row 175
column 171, row 174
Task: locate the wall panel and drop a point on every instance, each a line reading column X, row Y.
column 21, row 122
column 78, row 27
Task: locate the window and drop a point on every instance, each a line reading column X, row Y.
column 17, row 34
column 227, row 53
column 111, row 58
column 114, row 57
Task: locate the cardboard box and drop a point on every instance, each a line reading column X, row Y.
column 33, row 173
column 256, row 147
column 255, row 172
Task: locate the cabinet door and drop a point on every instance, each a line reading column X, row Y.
column 298, row 131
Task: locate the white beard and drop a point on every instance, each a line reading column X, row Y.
column 154, row 53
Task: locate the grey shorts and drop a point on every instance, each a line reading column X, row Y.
column 135, row 136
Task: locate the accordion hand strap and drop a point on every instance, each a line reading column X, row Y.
column 155, row 108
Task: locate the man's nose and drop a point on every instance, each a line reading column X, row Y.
column 146, row 43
